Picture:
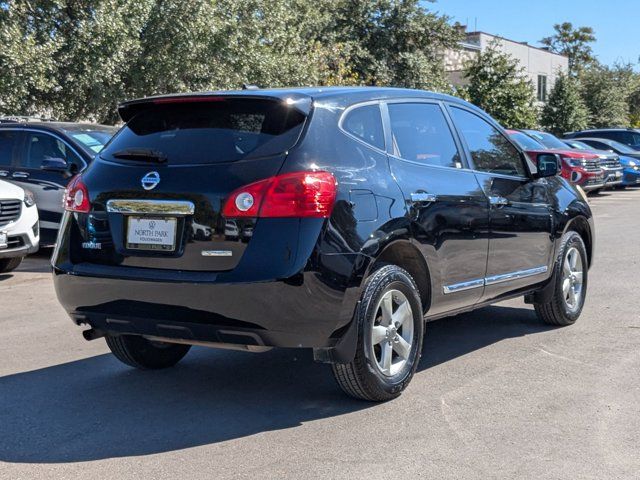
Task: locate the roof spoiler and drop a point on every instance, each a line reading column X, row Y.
column 127, row 110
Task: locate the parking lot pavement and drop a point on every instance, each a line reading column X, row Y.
column 497, row 394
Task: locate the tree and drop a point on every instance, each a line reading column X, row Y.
column 394, row 42
column 497, row 84
column 573, row 43
column 605, row 97
column 565, row 110
column 634, row 108
column 76, row 59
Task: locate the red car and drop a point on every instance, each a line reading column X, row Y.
column 579, row 167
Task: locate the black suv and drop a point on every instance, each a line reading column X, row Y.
column 43, row 156
column 627, row 136
column 338, row 219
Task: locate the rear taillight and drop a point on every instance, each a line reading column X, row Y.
column 76, row 196
column 298, row 194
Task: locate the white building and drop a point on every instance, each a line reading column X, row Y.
column 540, row 65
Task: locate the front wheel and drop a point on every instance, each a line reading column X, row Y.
column 138, row 352
column 570, row 276
column 9, row 264
column 390, row 331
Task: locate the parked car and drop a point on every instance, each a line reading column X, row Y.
column 19, row 231
column 371, row 210
column 609, row 162
column 579, row 168
column 43, row 156
column 626, row 136
column 629, row 158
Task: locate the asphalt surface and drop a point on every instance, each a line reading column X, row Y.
column 497, row 394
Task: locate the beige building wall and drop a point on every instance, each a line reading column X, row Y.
column 541, row 66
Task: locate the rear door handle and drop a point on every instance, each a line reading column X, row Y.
column 20, row 175
column 498, row 201
column 423, row 197
column 4, row 173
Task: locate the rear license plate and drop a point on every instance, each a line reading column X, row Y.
column 149, row 233
column 3, row 240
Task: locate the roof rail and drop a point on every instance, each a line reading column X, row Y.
column 23, row 119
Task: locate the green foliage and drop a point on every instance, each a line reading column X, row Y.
column 573, row 43
column 605, row 92
column 498, row 85
column 76, row 59
column 565, row 110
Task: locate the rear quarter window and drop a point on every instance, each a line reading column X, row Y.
column 211, row 132
column 365, row 123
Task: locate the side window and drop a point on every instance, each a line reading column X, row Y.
column 8, row 146
column 599, row 145
column 366, row 124
column 421, row 134
column 629, row 138
column 40, row 146
column 490, row 150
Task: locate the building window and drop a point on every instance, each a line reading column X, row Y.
column 542, row 88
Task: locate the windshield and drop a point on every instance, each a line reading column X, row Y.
column 526, row 142
column 579, row 145
column 621, row 147
column 547, row 139
column 209, row 132
column 92, row 140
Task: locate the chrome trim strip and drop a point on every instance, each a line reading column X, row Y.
column 460, row 287
column 158, row 207
column 216, row 253
column 507, row 277
column 493, row 280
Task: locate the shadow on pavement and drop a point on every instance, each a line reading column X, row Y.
column 39, row 262
column 96, row 408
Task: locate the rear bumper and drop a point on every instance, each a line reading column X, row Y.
column 306, row 311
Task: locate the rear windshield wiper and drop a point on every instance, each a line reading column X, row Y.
column 140, row 154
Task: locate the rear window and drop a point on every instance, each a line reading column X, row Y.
column 211, row 132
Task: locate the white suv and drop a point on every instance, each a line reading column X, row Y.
column 19, row 230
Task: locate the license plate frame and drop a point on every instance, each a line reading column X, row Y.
column 155, row 243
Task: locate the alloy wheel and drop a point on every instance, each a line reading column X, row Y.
column 572, row 279
column 392, row 332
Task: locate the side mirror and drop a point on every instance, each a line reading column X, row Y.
column 55, row 165
column 548, row 165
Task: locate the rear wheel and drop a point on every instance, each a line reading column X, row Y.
column 9, row 264
column 570, row 279
column 144, row 354
column 390, row 331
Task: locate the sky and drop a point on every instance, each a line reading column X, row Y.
column 615, row 22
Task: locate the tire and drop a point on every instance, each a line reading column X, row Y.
column 138, row 352
column 9, row 264
column 381, row 371
column 571, row 267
